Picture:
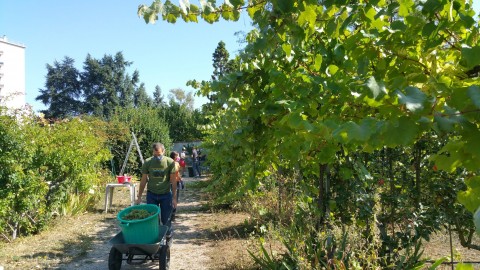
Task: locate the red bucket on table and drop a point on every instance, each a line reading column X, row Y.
column 123, row 179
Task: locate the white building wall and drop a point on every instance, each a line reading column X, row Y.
column 12, row 74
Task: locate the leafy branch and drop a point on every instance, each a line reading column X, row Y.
column 458, row 113
column 425, row 68
column 450, row 34
column 189, row 11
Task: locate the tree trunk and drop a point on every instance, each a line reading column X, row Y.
column 321, row 194
column 418, row 158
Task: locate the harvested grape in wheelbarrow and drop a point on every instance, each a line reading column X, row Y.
column 137, row 214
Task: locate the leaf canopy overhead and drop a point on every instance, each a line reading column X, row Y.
column 360, row 74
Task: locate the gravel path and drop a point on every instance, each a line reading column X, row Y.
column 190, row 246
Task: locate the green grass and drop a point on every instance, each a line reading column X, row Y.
column 198, row 184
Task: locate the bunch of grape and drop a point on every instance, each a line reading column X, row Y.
column 137, row 214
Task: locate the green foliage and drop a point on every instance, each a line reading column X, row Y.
column 183, row 122
column 222, row 64
column 471, row 197
column 62, row 90
column 47, row 169
column 340, row 94
column 23, row 193
column 268, row 261
column 102, row 86
column 72, row 154
column 179, row 96
column 464, row 266
column 106, row 85
column 476, row 220
column 158, row 98
column 141, row 98
column 149, row 127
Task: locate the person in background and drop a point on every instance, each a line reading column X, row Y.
column 174, row 155
column 160, row 173
column 183, row 162
column 196, row 163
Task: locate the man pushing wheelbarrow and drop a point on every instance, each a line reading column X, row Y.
column 159, row 175
column 162, row 183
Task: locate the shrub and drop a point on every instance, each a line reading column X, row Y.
column 48, row 169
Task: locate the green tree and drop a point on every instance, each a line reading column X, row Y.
column 107, row 85
column 148, row 126
column 179, row 96
column 183, row 122
column 141, row 98
column 183, row 119
column 62, row 93
column 221, row 61
column 158, row 99
column 412, row 67
column 102, row 86
column 222, row 65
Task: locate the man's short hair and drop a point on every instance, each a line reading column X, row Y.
column 158, row 146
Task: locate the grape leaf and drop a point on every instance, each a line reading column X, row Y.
column 376, row 87
column 470, row 198
column 413, row 98
column 474, row 93
column 471, row 56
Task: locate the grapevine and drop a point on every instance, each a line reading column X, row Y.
column 331, row 96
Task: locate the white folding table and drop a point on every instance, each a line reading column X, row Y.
column 109, row 193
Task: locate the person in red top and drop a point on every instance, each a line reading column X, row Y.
column 183, row 163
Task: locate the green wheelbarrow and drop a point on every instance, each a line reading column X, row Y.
column 136, row 254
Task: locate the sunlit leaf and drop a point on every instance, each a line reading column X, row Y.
column 377, row 88
column 413, row 98
column 464, row 266
column 405, row 6
column 318, row 61
column 287, row 48
column 184, row 6
column 331, row 70
column 308, row 16
column 252, row 9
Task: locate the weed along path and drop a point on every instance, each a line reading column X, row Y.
column 202, row 239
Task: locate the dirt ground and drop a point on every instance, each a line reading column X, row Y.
column 202, row 240
column 439, row 246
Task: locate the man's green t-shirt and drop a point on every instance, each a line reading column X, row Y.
column 158, row 171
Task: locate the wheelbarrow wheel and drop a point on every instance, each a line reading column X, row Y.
column 115, row 259
column 164, row 258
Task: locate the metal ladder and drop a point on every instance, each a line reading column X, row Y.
column 134, row 141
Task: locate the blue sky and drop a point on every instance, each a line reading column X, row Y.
column 165, row 54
